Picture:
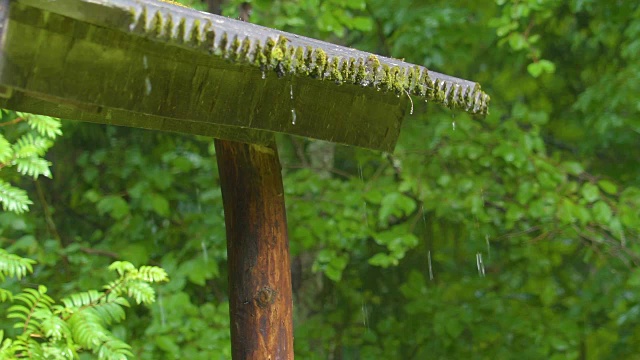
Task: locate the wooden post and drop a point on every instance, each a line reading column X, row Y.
column 257, row 250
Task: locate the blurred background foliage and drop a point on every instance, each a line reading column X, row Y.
column 477, row 238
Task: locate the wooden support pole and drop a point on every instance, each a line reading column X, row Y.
column 257, row 250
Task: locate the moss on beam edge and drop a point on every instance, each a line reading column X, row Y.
column 280, row 53
column 271, row 50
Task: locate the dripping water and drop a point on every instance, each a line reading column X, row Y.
column 293, row 110
column 365, row 315
column 480, row 264
column 430, row 268
column 163, row 319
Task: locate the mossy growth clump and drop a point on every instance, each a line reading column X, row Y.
column 278, row 54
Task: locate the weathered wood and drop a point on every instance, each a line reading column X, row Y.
column 188, row 71
column 258, row 251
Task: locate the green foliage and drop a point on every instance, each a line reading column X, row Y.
column 23, row 147
column 47, row 330
column 478, row 238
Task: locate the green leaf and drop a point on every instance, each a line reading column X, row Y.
column 33, row 166
column 6, row 152
column 602, row 212
column 159, row 204
column 608, row 187
column 590, row 192
column 382, row 260
column 44, row 125
column 114, row 205
column 13, row 199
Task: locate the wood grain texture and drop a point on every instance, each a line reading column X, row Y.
column 258, row 251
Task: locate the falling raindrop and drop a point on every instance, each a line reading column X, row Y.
column 293, row 110
column 205, row 254
column 264, row 75
column 145, row 62
column 453, row 125
column 430, row 268
column 163, row 318
column 486, row 238
column 365, row 315
column 147, row 83
column 480, row 264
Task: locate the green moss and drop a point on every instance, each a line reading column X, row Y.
column 156, row 24
column 360, row 72
column 168, row 26
column 244, row 49
column 308, row 59
column 234, row 52
column 141, row 21
column 373, row 62
column 209, row 37
column 195, row 36
column 382, row 79
column 319, row 63
column 181, row 30
column 402, row 81
column 221, row 48
column 260, row 58
column 334, row 70
column 299, row 63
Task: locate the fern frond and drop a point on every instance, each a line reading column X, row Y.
column 28, row 145
column 141, row 292
column 78, row 300
column 38, row 306
column 114, row 349
column 44, row 125
column 33, row 166
column 112, row 312
column 153, row 274
column 5, row 295
column 121, row 267
column 13, row 199
column 13, row 265
column 6, row 152
column 53, row 326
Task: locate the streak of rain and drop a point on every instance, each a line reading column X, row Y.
column 480, row 264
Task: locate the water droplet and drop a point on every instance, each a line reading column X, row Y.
column 264, row 75
column 430, row 268
column 453, row 125
column 205, row 254
column 480, row 264
column 293, row 110
column 147, row 83
column 486, row 238
column 365, row 315
column 145, row 62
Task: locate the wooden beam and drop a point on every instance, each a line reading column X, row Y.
column 257, row 250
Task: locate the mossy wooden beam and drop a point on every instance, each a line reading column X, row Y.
column 183, row 70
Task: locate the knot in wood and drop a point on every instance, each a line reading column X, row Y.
column 266, row 296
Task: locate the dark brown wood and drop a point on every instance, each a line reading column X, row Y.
column 257, row 250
